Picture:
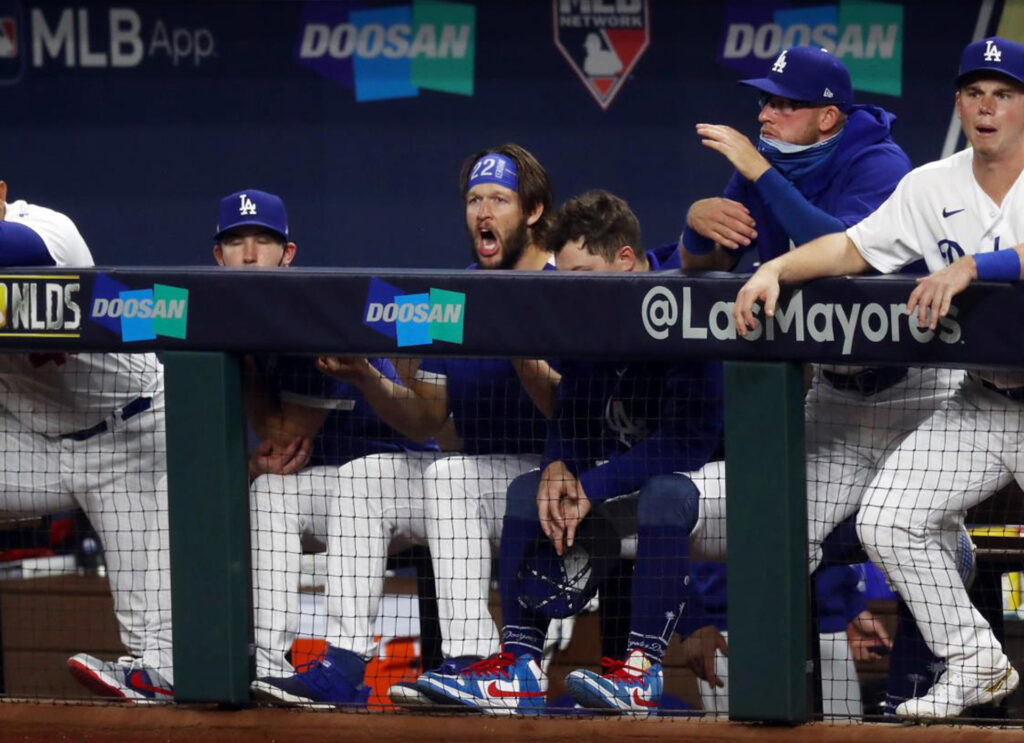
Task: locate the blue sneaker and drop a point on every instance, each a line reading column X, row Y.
column 500, row 685
column 411, row 695
column 320, row 682
column 633, row 685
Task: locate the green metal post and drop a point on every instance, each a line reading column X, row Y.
column 767, row 536
column 208, row 504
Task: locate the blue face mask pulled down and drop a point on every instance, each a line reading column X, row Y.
column 795, row 162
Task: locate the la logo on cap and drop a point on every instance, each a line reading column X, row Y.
column 246, row 205
column 780, row 63
column 992, row 53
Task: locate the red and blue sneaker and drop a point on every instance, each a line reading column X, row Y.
column 631, row 685
column 126, row 678
column 499, row 685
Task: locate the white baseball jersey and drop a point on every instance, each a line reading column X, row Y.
column 939, row 212
column 118, row 476
column 57, row 394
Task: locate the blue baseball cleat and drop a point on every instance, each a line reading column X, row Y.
column 320, row 682
column 499, row 685
column 411, row 695
column 633, row 685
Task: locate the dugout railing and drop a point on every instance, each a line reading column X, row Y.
column 201, row 319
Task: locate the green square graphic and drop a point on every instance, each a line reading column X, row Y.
column 173, row 301
column 443, row 46
column 870, row 43
column 452, row 306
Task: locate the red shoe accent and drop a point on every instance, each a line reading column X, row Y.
column 494, row 691
column 137, row 680
column 641, row 701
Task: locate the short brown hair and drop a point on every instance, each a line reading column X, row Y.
column 602, row 219
column 534, row 185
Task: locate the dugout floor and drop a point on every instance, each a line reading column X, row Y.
column 38, row 722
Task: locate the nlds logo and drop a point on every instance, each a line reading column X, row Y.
column 37, row 308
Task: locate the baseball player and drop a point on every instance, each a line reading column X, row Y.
column 308, row 424
column 452, row 502
column 87, row 430
column 962, row 215
column 619, row 430
column 822, row 163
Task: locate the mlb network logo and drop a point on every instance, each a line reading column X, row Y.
column 139, row 314
column 602, row 40
column 414, row 319
column 390, row 52
column 8, row 38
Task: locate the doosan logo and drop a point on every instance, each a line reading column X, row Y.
column 140, row 308
column 414, row 319
column 418, row 312
column 390, row 52
column 139, row 314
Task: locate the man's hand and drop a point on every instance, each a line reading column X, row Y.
column 561, row 505
column 699, row 653
column 864, row 633
column 280, row 459
column 352, row 370
column 725, row 221
column 736, row 147
column 933, row 294
column 762, row 287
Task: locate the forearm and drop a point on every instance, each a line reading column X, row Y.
column 540, row 382
column 829, row 255
column 416, row 416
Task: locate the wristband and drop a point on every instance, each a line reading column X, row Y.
column 1001, row 265
column 695, row 243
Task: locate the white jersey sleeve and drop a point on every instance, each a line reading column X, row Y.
column 886, row 238
column 60, row 235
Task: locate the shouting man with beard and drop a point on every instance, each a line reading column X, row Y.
column 490, row 415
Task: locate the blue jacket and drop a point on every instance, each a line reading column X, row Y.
column 862, row 171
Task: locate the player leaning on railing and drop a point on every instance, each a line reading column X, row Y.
column 821, row 164
column 964, row 216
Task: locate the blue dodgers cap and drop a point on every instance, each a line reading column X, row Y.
column 252, row 208
column 809, row 74
column 992, row 55
column 494, row 168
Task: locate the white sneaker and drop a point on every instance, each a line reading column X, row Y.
column 955, row 692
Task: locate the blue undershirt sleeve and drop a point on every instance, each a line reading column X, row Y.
column 22, row 246
column 801, row 220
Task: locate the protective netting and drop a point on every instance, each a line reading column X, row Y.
column 406, row 519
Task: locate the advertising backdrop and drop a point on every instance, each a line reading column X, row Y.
column 134, row 118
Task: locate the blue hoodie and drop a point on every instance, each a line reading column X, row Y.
column 863, row 169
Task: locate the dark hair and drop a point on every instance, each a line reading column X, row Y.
column 534, row 185
column 602, row 219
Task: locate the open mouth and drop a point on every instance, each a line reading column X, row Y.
column 487, row 243
column 985, row 130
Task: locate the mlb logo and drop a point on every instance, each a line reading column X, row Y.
column 602, row 41
column 8, row 38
